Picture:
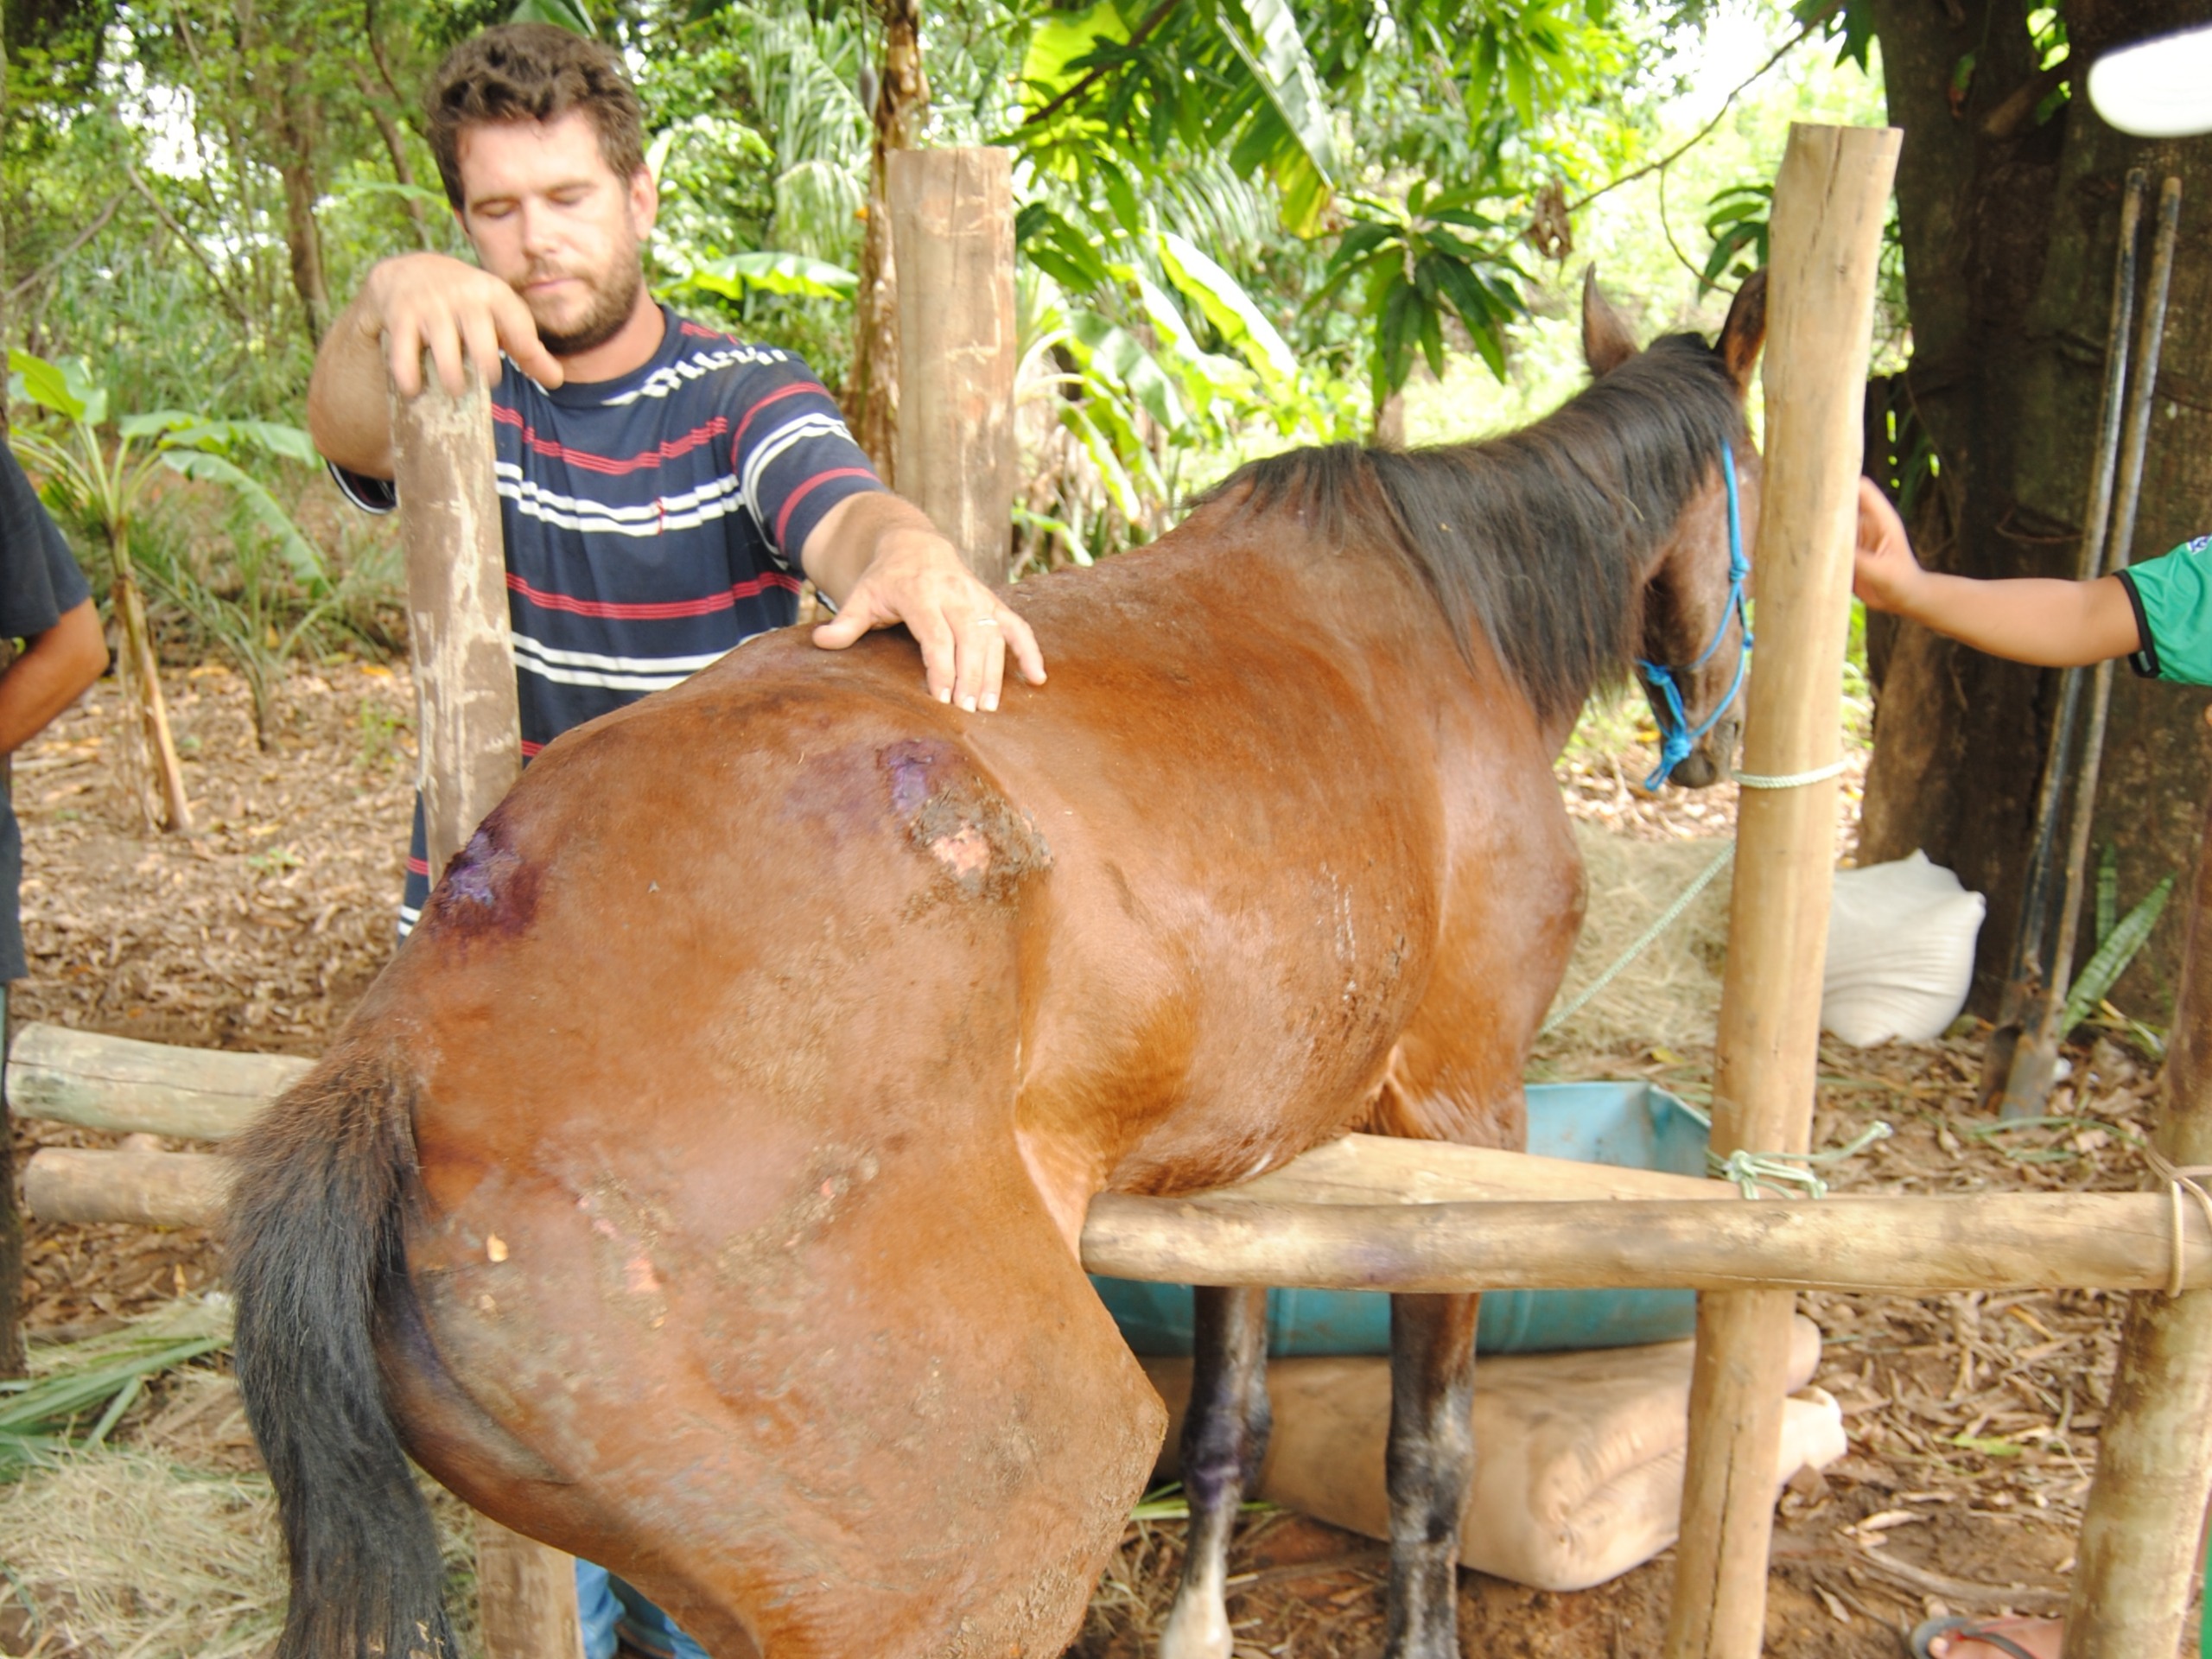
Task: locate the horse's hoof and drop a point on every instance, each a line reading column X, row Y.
column 1198, row 1628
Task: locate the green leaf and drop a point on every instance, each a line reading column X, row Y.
column 2110, row 961
column 45, row 384
column 300, row 555
column 1059, row 44
column 1277, row 58
column 420, row 192
column 564, row 14
column 1115, row 355
column 791, row 274
column 2108, row 891
column 1228, row 307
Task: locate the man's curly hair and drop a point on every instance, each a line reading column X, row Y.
column 532, row 71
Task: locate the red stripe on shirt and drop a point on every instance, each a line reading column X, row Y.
column 796, row 389
column 650, row 610
column 610, row 465
column 418, row 866
column 799, row 494
column 530, row 751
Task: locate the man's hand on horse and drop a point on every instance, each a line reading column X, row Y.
column 883, row 563
column 421, row 302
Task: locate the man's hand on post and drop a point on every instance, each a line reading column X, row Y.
column 421, row 302
column 909, row 573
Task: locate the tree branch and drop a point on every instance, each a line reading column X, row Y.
column 1091, row 78
column 1726, row 103
column 191, row 245
column 98, row 224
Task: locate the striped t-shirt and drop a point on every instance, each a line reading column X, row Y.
column 651, row 523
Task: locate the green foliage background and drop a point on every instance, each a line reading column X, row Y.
column 1243, row 223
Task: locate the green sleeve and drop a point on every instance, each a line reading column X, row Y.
column 2172, row 598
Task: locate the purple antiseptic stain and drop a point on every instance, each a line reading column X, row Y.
column 485, row 888
column 910, row 764
column 478, row 870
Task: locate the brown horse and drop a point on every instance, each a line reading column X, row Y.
column 698, row 1189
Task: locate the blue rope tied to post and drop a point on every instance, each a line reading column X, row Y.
column 1677, row 737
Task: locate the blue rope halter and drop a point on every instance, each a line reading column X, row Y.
column 1677, row 737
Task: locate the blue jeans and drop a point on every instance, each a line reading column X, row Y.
column 607, row 1606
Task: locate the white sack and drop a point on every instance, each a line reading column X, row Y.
column 1900, row 957
column 1578, row 1456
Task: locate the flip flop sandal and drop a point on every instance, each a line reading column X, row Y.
column 1964, row 1630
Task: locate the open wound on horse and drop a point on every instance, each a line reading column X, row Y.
column 486, row 888
column 955, row 817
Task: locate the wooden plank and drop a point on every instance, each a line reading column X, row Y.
column 471, row 736
column 470, row 722
column 154, row 1189
column 120, row 1084
column 527, row 1594
column 1381, row 1169
column 1826, row 241
column 952, row 245
column 1888, row 1246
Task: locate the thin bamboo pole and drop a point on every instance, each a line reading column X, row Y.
column 471, row 737
column 1824, row 243
column 2139, row 1529
column 1886, row 1246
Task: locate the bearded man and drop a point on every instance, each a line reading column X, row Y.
column 662, row 485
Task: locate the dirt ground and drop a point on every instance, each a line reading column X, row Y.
column 1972, row 1419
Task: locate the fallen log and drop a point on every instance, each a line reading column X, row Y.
column 117, row 1083
column 157, row 1189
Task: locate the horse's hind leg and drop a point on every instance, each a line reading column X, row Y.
column 1224, row 1440
column 1431, row 1458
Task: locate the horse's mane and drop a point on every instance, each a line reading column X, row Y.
column 1536, row 536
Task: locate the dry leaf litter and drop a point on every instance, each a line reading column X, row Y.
column 1972, row 1418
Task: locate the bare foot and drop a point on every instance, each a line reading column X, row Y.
column 2040, row 1637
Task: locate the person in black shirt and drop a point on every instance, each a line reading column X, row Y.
column 43, row 602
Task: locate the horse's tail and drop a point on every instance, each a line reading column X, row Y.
column 322, row 1184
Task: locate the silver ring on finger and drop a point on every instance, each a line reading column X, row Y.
column 987, row 621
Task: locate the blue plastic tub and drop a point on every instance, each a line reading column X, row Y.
column 1630, row 1124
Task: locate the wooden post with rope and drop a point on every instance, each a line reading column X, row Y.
column 952, row 241
column 2140, row 1526
column 471, row 742
column 1826, row 238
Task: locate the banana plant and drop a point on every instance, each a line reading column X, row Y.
column 97, row 469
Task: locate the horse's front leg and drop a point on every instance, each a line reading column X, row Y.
column 1224, row 1440
column 1431, row 1458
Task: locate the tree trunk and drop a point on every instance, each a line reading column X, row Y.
column 11, row 1218
column 295, row 123
column 2010, row 235
column 395, row 145
column 902, row 102
column 143, row 664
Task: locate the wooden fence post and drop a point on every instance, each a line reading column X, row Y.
column 1825, row 238
column 471, row 742
column 952, row 245
column 2139, row 1528
column 11, row 1215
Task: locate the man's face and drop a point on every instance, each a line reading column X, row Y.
column 551, row 219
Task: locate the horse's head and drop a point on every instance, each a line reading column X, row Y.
column 1692, row 659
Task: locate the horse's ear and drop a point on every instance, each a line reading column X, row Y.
column 1607, row 342
column 1744, row 332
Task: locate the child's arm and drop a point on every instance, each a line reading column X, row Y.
column 2029, row 620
